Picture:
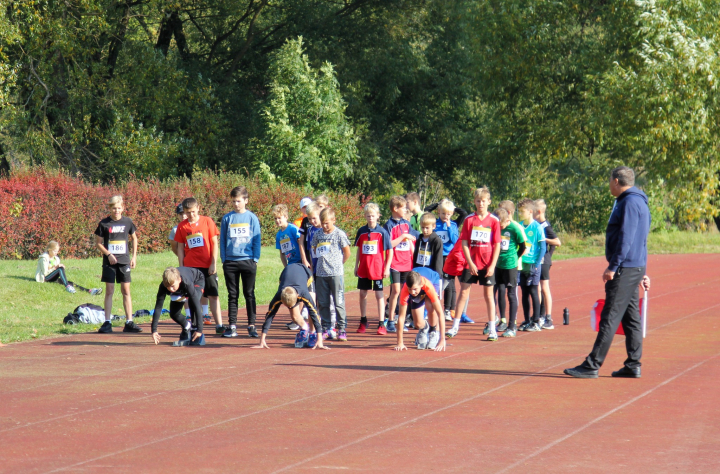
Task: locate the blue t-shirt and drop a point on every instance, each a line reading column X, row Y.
column 286, row 242
column 535, row 235
column 449, row 234
column 240, row 237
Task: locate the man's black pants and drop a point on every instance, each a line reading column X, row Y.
column 622, row 298
column 234, row 271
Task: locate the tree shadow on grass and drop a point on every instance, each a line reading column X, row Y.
column 383, row 368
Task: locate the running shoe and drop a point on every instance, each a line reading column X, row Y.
column 433, row 339
column 106, row 328
column 391, row 326
column 532, row 327
column 207, row 319
column 421, row 340
column 184, row 339
column 486, row 331
column 342, row 336
column 252, row 332
column 524, row 326
column 220, row 329
column 325, row 335
column 466, row 319
column 452, row 332
column 70, row 289
column 199, row 341
column 312, row 340
column 540, row 323
column 405, row 329
column 548, row 323
column 509, row 333
column 95, row 291
column 492, row 337
column 301, row 339
column 331, row 334
column 501, row 327
column 130, row 326
column 363, row 325
column 229, row 332
column 448, row 316
column 292, row 326
column 409, row 323
column 382, row 330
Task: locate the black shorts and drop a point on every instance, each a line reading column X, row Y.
column 480, row 278
column 211, row 283
column 118, row 273
column 368, row 284
column 545, row 271
column 506, row 277
column 398, row 277
column 416, row 305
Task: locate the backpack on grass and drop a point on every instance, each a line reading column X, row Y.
column 87, row 314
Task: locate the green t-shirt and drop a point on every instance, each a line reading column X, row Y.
column 510, row 238
column 415, row 221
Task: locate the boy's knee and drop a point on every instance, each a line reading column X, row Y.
column 379, row 295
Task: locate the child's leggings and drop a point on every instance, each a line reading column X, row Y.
column 528, row 292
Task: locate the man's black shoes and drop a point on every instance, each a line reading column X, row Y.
column 627, row 373
column 582, row 372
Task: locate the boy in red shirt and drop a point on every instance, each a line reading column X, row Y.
column 372, row 264
column 417, row 292
column 480, row 237
column 198, row 236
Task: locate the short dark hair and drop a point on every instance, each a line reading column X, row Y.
column 239, row 191
column 526, row 203
column 624, row 175
column 189, row 203
column 413, row 279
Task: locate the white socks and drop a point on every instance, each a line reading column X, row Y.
column 491, row 326
column 205, row 309
column 456, row 324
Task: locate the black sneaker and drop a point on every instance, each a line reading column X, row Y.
column 581, row 372
column 252, row 332
column 501, row 327
column 130, row 326
column 220, row 330
column 230, row 332
column 184, row 339
column 106, row 328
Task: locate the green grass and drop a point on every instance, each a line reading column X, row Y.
column 34, row 310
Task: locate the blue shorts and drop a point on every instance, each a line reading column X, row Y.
column 529, row 278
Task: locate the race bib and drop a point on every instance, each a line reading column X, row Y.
column 423, row 257
column 323, row 249
column 505, row 243
column 239, row 231
column 444, row 236
column 370, row 247
column 117, row 247
column 178, row 298
column 403, row 246
column 286, row 245
column 195, row 241
column 480, row 234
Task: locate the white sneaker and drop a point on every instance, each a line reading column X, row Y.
column 421, row 340
column 448, row 317
column 433, row 339
column 452, row 332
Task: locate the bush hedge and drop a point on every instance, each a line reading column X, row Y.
column 40, row 204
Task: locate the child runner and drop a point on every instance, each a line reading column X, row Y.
column 480, row 239
column 512, row 245
column 372, row 264
column 509, row 206
column 418, row 291
column 402, row 239
column 413, row 206
column 49, row 268
column 429, row 246
column 198, row 236
column 552, row 241
column 182, row 284
column 240, row 243
column 529, row 277
column 287, row 239
column 181, row 216
column 300, row 221
column 332, row 248
column 112, row 238
column 295, row 280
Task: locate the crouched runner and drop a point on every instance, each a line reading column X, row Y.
column 420, row 292
column 182, row 283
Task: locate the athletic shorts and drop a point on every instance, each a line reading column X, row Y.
column 398, row 277
column 211, row 283
column 116, row 273
column 368, row 284
column 545, row 271
column 529, row 278
column 506, row 277
column 480, row 278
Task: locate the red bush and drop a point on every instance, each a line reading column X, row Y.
column 39, row 205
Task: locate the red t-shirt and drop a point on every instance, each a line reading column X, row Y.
column 455, row 261
column 403, row 252
column 197, row 241
column 482, row 235
column 373, row 245
column 428, row 290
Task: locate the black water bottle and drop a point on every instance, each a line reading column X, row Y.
column 566, row 317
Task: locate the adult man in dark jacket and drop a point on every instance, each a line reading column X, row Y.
column 626, row 253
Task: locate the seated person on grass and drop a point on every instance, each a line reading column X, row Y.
column 183, row 283
column 419, row 291
column 293, row 292
column 49, row 268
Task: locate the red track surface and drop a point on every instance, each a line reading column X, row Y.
column 117, row 403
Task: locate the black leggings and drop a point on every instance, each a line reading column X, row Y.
column 449, row 295
column 178, row 315
column 235, row 271
column 512, row 298
column 59, row 276
column 527, row 293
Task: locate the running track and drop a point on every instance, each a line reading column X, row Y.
column 117, row 403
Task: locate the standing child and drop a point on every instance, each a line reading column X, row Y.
column 180, row 213
column 480, row 239
column 372, row 264
column 552, row 241
column 413, row 206
column 449, row 232
column 287, row 240
column 512, row 246
column 332, row 248
column 429, row 246
column 240, row 251
column 529, row 277
column 181, row 284
column 302, row 220
column 112, row 238
column 49, row 268
column 198, row 238
column 402, row 239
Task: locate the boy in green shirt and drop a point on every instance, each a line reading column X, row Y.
column 512, row 245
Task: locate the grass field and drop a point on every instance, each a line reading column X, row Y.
column 33, row 310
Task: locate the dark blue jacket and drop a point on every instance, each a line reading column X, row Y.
column 627, row 231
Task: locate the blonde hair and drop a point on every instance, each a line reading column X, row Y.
column 115, row 199
column 170, row 276
column 280, row 210
column 427, row 219
column 312, row 208
column 372, row 207
column 483, row 192
column 322, row 200
column 502, row 214
column 52, row 245
column 327, row 214
column 397, row 201
column 508, row 206
column 446, row 205
column 289, row 296
column 540, row 205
